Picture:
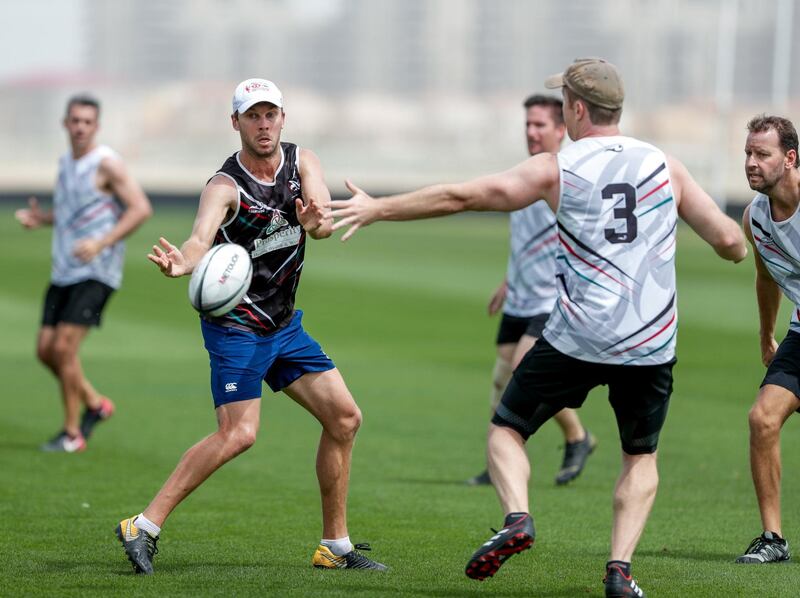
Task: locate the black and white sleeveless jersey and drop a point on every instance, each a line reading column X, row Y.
column 265, row 223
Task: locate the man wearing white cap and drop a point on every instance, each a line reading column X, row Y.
column 268, row 197
column 617, row 201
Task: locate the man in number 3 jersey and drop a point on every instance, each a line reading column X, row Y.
column 617, row 201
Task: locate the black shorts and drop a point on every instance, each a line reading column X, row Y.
column 81, row 303
column 512, row 328
column 784, row 371
column 547, row 380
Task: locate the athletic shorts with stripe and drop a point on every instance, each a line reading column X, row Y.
column 784, row 371
column 240, row 360
column 547, row 381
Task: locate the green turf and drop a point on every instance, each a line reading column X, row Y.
column 401, row 308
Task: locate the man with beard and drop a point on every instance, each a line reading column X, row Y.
column 772, row 225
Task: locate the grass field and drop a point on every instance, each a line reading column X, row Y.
column 401, row 309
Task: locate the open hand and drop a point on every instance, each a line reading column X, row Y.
column 360, row 210
column 169, row 259
column 312, row 216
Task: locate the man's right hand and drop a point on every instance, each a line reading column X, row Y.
column 32, row 216
column 169, row 259
column 769, row 346
column 499, row 296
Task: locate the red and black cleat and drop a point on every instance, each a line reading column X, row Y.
column 517, row 535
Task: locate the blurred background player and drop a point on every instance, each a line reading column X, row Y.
column 617, row 201
column 528, row 294
column 96, row 204
column 772, row 226
column 267, row 198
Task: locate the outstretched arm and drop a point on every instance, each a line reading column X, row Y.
column 700, row 212
column 114, row 177
column 218, row 199
column 313, row 211
column 768, row 295
column 536, row 178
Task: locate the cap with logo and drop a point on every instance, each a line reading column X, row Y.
column 593, row 79
column 252, row 91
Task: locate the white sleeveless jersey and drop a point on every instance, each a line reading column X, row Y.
column 778, row 246
column 616, row 258
column 83, row 211
column 531, row 273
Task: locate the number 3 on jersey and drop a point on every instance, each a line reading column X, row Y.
column 625, row 212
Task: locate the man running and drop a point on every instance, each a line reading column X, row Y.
column 96, row 204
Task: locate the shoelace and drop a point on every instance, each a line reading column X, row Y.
column 152, row 549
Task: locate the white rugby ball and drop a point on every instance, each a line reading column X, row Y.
column 221, row 279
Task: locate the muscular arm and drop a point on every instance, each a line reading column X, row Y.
column 768, row 295
column 518, row 187
column 700, row 212
column 312, row 211
column 218, row 199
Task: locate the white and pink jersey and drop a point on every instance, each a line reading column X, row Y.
column 778, row 246
column 82, row 211
column 615, row 267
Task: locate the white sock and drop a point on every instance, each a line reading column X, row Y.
column 339, row 547
column 144, row 523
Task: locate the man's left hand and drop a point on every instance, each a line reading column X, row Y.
column 87, row 249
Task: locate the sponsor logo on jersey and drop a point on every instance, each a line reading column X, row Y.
column 294, row 188
column 286, row 237
column 277, row 222
column 257, row 207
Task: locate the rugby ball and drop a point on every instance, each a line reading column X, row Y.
column 220, row 280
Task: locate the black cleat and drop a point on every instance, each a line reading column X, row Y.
column 324, row 559
column 140, row 546
column 517, row 535
column 620, row 584
column 92, row 417
column 64, row 443
column 766, row 548
column 575, row 456
column 482, row 479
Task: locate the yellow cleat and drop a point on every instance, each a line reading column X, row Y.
column 324, row 559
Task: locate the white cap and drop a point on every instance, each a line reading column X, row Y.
column 252, row 91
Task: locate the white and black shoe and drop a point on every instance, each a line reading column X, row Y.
column 769, row 547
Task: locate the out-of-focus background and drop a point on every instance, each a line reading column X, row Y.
column 394, row 93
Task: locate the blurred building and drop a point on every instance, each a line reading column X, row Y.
column 398, row 93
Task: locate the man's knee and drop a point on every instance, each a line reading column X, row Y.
column 240, row 437
column 346, row 424
column 44, row 353
column 763, row 422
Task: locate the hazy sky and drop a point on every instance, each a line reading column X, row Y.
column 40, row 36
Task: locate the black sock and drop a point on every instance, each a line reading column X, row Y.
column 624, row 566
column 512, row 518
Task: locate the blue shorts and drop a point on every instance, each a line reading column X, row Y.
column 241, row 360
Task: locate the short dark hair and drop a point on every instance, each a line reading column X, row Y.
column 787, row 135
column 597, row 114
column 555, row 104
column 83, row 99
